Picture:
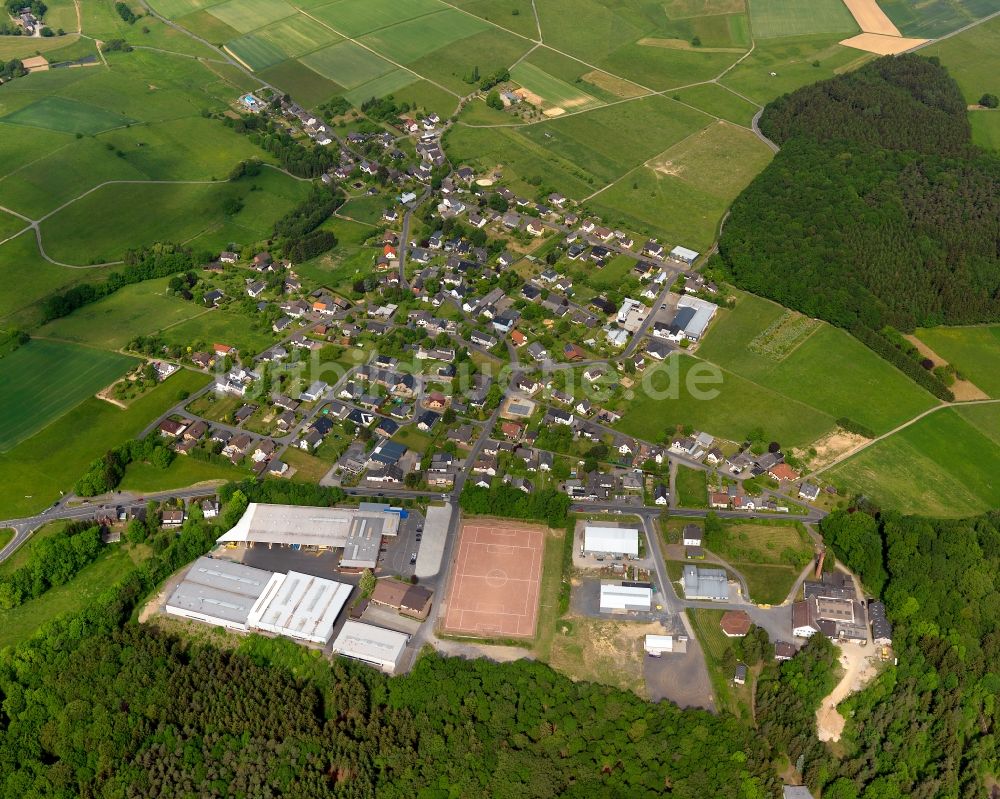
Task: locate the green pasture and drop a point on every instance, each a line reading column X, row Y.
column 27, row 46
column 407, row 41
column 156, row 33
column 43, row 380
column 683, row 391
column 715, row 99
column 209, row 27
column 501, row 12
column 947, row 464
column 355, row 18
column 552, row 90
column 111, row 566
column 297, row 35
column 683, row 193
column 183, row 472
column 613, row 273
column 390, row 83
column 591, row 29
column 256, row 52
column 663, row 68
column 183, row 212
column 35, row 278
column 110, row 323
column 490, row 49
column 365, row 209
column 973, row 351
column 35, row 470
column 793, row 60
column 929, row 19
column 768, row 583
column 347, row 63
column 245, row 333
column 426, row 96
column 972, row 58
column 986, row 129
column 9, row 225
column 68, row 116
column 867, row 389
column 773, row 19
column 248, row 15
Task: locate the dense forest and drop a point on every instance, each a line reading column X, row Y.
column 877, row 210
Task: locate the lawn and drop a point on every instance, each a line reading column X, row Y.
column 613, row 273
column 111, row 566
column 685, row 391
column 867, row 390
column 228, row 327
column 36, row 470
column 68, row 116
column 973, row 351
column 555, row 92
column 769, row 584
column 5, row 537
column 347, row 63
column 972, row 58
column 81, row 233
column 929, row 19
column 947, row 464
column 715, row 644
column 136, row 310
column 43, row 380
column 692, row 488
column 308, row 468
column 549, row 592
column 770, row 555
column 183, row 472
column 715, row 99
column 683, row 193
column 772, row 19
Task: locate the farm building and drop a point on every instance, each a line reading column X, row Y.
column 702, row 583
column 615, row 541
column 358, row 531
column 656, row 645
column 623, row 597
column 373, row 645
column 238, row 597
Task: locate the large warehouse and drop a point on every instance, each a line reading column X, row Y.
column 369, row 644
column 358, row 531
column 702, row 583
column 614, row 541
column 623, row 597
column 242, row 598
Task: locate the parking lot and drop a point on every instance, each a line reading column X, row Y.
column 401, row 549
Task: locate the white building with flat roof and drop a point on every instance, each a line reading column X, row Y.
column 679, row 253
column 657, row 645
column 300, row 606
column 615, row 541
column 618, row 598
column 704, row 311
column 373, row 645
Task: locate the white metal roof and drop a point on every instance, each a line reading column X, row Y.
column 219, row 591
column 300, row 606
column 371, row 644
column 703, row 313
column 683, row 253
column 623, row 540
column 625, row 597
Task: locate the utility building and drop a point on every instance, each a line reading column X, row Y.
column 373, row 645
column 623, row 597
column 614, row 541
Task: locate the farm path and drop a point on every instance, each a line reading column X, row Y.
column 897, row 429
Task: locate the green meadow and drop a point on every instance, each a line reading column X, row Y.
column 974, row 351
column 928, row 19
column 986, row 129
column 972, row 58
column 772, row 19
column 44, row 379
column 347, row 63
column 946, row 464
column 715, row 99
column 357, row 17
column 38, row 468
column 67, row 116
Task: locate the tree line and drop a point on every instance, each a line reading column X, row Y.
column 547, row 505
column 877, row 211
column 301, row 160
column 54, row 561
column 106, row 472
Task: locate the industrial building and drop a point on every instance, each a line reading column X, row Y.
column 701, row 583
column 358, row 531
column 656, row 645
column 614, row 541
column 695, row 325
column 624, row 597
column 369, row 644
column 246, row 599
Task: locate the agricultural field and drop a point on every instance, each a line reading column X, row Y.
column 67, row 116
column 715, row 99
column 733, row 406
column 137, row 310
column 183, row 472
column 683, row 192
column 928, row 19
column 44, row 379
column 38, row 468
column 762, row 342
column 515, row 15
column 773, row 19
column 973, row 351
column 347, row 63
column 972, row 58
column 947, row 464
column 184, row 212
column 557, row 96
